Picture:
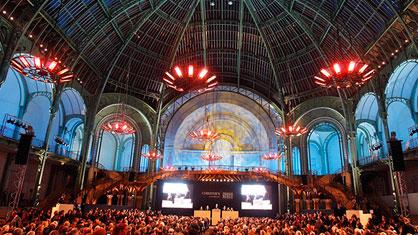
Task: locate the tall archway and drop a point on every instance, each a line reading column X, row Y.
column 246, row 132
column 400, row 93
column 325, row 149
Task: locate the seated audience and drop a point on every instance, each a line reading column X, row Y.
column 136, row 222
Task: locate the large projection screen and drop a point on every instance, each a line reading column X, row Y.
column 176, row 195
column 256, row 197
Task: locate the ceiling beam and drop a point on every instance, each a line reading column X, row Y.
column 329, row 21
column 305, row 28
column 173, row 53
column 240, row 36
column 70, row 43
column 204, row 29
column 251, row 9
column 337, row 12
column 100, row 29
column 126, row 43
column 109, row 18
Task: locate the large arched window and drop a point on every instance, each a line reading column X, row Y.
column 400, row 93
column 115, row 151
column 12, row 99
column 30, row 101
column 73, row 136
column 25, row 99
column 297, row 170
column 143, row 164
column 325, row 155
column 69, row 124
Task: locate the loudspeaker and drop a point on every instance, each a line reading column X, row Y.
column 23, row 149
column 304, row 179
column 397, row 155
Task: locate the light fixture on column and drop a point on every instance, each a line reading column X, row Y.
column 260, row 170
column 190, row 79
column 271, row 156
column 168, row 168
column 211, row 157
column 41, row 69
column 345, row 75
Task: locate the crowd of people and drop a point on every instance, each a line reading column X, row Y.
column 136, row 222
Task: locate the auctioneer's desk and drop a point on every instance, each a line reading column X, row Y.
column 202, row 214
column 230, row 214
column 216, row 216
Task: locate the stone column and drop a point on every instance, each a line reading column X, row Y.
column 131, row 199
column 315, row 203
column 109, row 199
column 138, row 201
column 121, row 199
column 308, row 204
column 328, row 204
column 297, row 205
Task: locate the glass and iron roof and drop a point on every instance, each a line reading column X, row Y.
column 272, row 46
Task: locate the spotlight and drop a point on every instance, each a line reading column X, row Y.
column 413, row 130
column 212, row 4
column 376, row 146
column 230, row 3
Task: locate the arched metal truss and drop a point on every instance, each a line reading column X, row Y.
column 274, row 47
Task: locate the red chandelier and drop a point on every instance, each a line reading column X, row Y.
column 190, row 80
column 291, row 130
column 119, row 126
column 204, row 135
column 168, row 168
column 345, row 75
column 39, row 69
column 152, row 155
column 211, row 157
column 271, row 156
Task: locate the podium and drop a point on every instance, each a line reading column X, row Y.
column 216, row 216
column 230, row 214
column 62, row 207
column 364, row 217
column 202, row 213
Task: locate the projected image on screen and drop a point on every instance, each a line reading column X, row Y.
column 255, row 197
column 176, row 195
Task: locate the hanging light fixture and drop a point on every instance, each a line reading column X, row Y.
column 291, row 130
column 190, row 79
column 119, row 125
column 271, row 156
column 211, row 157
column 41, row 69
column 152, row 155
column 205, row 133
column 344, row 75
